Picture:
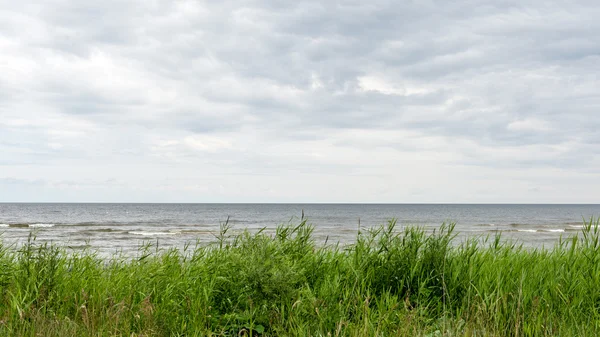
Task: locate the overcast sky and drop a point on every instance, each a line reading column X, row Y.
column 300, row 101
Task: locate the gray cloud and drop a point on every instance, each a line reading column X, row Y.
column 281, row 96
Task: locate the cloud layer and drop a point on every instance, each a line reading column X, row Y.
column 311, row 101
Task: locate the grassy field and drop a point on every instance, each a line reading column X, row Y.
column 390, row 282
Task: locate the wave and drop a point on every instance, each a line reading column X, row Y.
column 520, row 225
column 153, row 233
column 89, row 224
column 234, row 221
column 547, row 230
column 84, row 246
column 41, row 225
column 18, row 225
column 197, row 231
column 576, row 223
column 102, row 230
column 28, row 225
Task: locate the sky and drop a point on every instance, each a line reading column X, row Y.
column 323, row 101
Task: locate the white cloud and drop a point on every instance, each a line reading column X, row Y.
column 529, row 124
column 266, row 101
column 377, row 84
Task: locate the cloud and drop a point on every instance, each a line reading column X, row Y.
column 299, row 101
column 529, row 125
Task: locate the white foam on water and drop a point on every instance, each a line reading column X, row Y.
column 41, row 225
column 559, row 230
column 576, row 226
column 152, row 233
column 4, row 225
column 527, row 230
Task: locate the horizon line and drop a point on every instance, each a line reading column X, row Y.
column 294, row 203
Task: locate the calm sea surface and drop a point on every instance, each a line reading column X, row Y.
column 111, row 228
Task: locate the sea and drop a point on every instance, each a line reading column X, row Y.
column 109, row 229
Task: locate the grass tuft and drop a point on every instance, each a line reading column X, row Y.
column 391, row 281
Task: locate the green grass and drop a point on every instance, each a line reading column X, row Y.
column 390, row 282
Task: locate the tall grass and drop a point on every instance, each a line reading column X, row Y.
column 389, row 282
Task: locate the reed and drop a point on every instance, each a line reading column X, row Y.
column 391, row 281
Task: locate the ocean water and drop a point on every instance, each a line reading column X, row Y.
column 111, row 228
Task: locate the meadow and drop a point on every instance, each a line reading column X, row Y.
column 390, row 282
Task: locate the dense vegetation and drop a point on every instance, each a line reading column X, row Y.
column 388, row 283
